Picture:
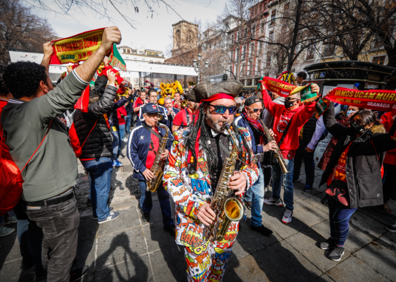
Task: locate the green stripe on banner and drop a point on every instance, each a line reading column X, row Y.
column 116, row 60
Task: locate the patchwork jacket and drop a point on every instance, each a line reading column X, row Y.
column 191, row 191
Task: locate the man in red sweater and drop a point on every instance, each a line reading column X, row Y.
column 288, row 119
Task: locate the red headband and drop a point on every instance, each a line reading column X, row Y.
column 218, row 96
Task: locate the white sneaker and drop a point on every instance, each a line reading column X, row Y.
column 273, row 202
column 287, row 217
column 112, row 216
column 5, row 231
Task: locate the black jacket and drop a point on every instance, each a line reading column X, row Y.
column 309, row 129
column 364, row 160
column 99, row 142
column 112, row 114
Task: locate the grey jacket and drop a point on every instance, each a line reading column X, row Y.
column 53, row 169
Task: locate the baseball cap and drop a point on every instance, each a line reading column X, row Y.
column 251, row 100
column 150, row 108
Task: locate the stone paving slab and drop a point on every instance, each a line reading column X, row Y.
column 137, row 269
column 120, row 246
column 353, row 269
column 306, row 243
column 380, row 258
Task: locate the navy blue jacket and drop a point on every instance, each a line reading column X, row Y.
column 164, row 120
column 138, row 147
column 257, row 149
column 129, row 107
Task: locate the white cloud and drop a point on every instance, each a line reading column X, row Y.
column 151, row 33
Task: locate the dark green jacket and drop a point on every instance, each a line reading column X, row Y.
column 53, row 169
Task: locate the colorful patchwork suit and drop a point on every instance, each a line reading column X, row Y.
column 206, row 260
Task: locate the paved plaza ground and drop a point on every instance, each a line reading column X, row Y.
column 127, row 250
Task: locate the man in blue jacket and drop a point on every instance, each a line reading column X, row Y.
column 255, row 196
column 143, row 146
column 153, row 98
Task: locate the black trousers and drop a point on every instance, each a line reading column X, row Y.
column 59, row 223
column 389, row 184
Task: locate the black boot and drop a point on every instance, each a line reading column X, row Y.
column 262, row 230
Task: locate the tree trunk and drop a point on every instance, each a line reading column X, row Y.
column 290, row 52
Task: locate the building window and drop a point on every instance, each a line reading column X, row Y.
column 237, row 54
column 239, row 35
column 252, row 50
column 269, row 55
column 245, row 32
column 258, row 66
column 262, row 28
column 271, row 36
column 377, row 43
column 123, row 50
column 243, row 52
column 253, row 31
column 379, row 60
column 260, row 51
column 232, row 39
column 311, row 52
column 329, row 50
column 273, row 16
column 243, row 69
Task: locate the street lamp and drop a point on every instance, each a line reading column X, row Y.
column 197, row 65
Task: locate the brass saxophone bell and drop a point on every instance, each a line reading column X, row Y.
column 160, row 117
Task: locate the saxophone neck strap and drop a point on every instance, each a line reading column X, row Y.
column 285, row 132
column 152, row 131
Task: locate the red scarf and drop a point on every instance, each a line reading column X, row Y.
column 256, row 124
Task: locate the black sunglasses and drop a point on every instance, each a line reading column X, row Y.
column 256, row 110
column 222, row 109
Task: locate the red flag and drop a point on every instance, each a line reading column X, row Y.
column 83, row 102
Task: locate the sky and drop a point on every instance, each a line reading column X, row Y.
column 149, row 32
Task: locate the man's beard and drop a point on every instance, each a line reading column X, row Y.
column 215, row 125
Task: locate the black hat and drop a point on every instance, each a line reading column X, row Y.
column 150, row 108
column 251, row 100
column 205, row 90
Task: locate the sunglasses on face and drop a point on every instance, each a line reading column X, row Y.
column 222, row 109
column 256, row 110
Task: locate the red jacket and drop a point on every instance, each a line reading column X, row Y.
column 282, row 117
column 5, row 149
column 387, row 121
column 121, row 113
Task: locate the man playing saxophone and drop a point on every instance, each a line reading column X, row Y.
column 193, row 173
column 143, row 145
column 255, row 196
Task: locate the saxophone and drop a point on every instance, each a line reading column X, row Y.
column 277, row 153
column 226, row 208
column 158, row 165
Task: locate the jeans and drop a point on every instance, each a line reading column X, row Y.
column 278, row 178
column 116, row 144
column 339, row 221
column 302, row 154
column 121, row 131
column 389, row 182
column 59, row 223
column 99, row 171
column 256, row 192
column 128, row 120
column 30, row 242
column 146, row 203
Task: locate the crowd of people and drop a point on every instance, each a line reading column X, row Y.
column 210, row 153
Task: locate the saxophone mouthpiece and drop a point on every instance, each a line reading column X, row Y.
column 226, row 125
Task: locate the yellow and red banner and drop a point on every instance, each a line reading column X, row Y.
column 377, row 100
column 280, row 87
column 76, row 48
